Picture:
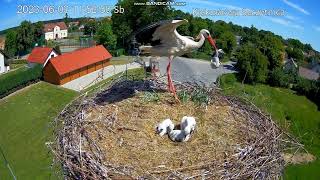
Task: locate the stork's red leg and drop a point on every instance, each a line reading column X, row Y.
column 171, row 87
column 169, row 76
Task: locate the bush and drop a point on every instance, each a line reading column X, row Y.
column 308, row 88
column 19, row 61
column 252, row 64
column 278, row 77
column 19, row 79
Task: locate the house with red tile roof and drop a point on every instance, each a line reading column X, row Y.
column 67, row 67
column 57, row 30
column 41, row 55
column 308, row 73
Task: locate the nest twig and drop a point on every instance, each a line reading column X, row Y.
column 258, row 158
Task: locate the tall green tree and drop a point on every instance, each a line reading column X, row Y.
column 66, row 19
column 227, row 41
column 252, row 64
column 90, row 27
column 11, row 43
column 25, row 36
column 105, row 36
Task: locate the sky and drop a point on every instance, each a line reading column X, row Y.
column 299, row 19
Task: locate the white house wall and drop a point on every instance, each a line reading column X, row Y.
column 52, row 54
column 57, row 32
column 2, row 66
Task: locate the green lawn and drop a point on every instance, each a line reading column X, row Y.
column 121, row 60
column 24, row 129
column 293, row 112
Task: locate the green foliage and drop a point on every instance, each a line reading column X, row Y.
column 183, row 96
column 295, row 43
column 295, row 53
column 90, row 27
column 53, row 44
column 20, row 61
column 11, row 43
column 252, row 64
column 25, row 36
column 279, row 78
column 19, row 78
column 66, row 19
column 105, row 36
column 227, row 42
column 151, row 97
column 308, row 88
column 199, row 96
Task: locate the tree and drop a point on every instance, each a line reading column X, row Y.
column 25, row 36
column 227, row 42
column 55, row 45
column 105, row 36
column 39, row 33
column 280, row 78
column 90, row 27
column 66, row 19
column 136, row 17
column 11, row 43
column 295, row 53
column 252, row 64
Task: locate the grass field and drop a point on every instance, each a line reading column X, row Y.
column 120, row 60
column 25, row 127
column 293, row 112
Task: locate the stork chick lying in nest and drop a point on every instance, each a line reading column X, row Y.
column 187, row 127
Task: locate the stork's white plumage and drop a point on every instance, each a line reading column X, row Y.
column 215, row 61
column 173, row 44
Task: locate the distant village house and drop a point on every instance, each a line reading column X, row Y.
column 308, row 73
column 41, row 55
column 57, row 30
column 4, row 62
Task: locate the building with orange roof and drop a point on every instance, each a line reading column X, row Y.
column 67, row 67
column 57, row 30
column 41, row 55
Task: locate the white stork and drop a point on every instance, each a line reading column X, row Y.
column 166, row 41
column 215, row 60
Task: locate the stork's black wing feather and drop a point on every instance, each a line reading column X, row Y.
column 144, row 35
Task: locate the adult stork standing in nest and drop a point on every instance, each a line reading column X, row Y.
column 166, row 41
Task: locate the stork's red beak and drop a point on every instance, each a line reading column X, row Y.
column 212, row 42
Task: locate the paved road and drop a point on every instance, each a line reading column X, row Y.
column 185, row 69
column 97, row 76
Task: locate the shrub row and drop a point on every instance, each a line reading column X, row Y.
column 290, row 79
column 19, row 61
column 19, row 79
column 308, row 88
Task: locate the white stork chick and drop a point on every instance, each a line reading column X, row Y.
column 215, row 61
column 164, row 127
column 188, row 124
column 179, row 136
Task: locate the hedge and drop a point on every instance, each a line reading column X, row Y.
column 19, row 79
column 19, row 61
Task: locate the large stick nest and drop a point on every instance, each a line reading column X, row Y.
column 110, row 135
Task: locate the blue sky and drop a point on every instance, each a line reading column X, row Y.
column 301, row 19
